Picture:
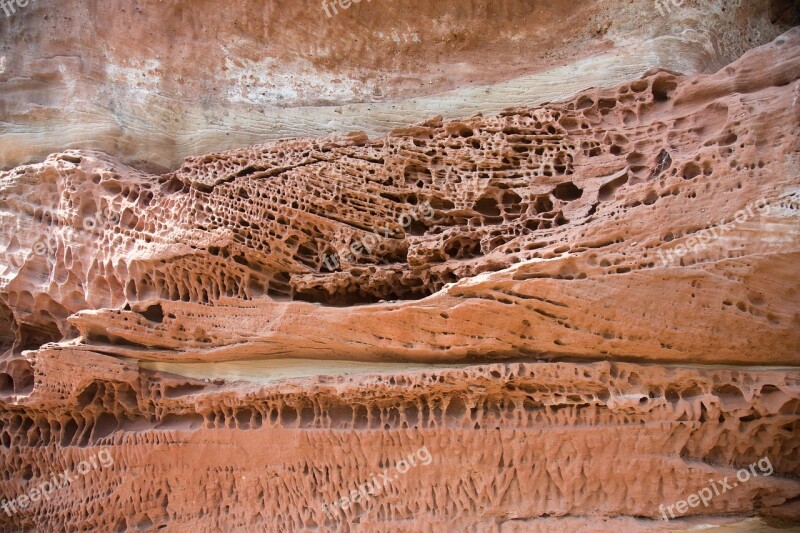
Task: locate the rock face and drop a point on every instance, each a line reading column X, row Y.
column 155, row 81
column 573, row 316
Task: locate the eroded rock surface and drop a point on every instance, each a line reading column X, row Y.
column 508, row 443
column 653, row 224
column 190, row 77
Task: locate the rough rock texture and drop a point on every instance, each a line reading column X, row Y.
column 154, row 81
column 509, row 443
column 535, row 249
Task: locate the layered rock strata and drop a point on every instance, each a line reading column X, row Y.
column 153, row 82
column 613, row 277
column 507, row 445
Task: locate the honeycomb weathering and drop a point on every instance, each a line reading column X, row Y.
column 528, row 439
column 582, row 311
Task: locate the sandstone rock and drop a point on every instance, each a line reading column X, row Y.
column 155, row 81
column 581, row 311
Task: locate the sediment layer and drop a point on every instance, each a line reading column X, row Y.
column 611, row 280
